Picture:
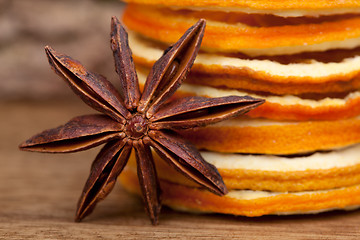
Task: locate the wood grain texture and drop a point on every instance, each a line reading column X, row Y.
column 39, row 193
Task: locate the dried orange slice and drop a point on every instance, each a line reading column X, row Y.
column 318, row 171
column 333, row 73
column 283, row 107
column 250, row 203
column 271, row 137
column 247, row 202
column 166, row 25
column 282, row 8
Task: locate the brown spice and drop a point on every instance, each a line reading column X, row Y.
column 139, row 121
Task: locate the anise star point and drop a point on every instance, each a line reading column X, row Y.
column 139, row 121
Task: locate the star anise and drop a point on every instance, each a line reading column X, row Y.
column 139, row 121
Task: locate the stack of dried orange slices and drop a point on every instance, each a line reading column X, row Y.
column 300, row 151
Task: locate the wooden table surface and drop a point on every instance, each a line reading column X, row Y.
column 39, row 193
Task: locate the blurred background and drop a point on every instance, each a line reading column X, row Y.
column 79, row 28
